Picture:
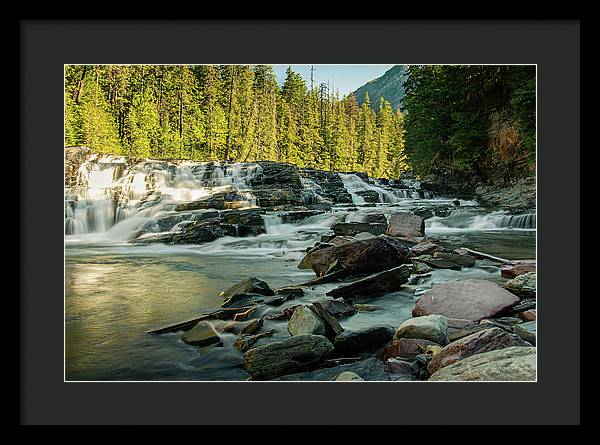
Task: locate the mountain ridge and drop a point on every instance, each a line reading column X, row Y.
column 390, row 86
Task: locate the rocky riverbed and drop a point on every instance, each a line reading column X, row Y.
column 218, row 271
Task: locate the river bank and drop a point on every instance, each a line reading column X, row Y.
column 151, row 244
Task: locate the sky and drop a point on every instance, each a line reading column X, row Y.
column 345, row 78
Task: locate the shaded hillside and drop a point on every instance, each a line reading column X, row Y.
column 390, row 86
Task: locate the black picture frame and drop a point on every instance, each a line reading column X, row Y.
column 47, row 45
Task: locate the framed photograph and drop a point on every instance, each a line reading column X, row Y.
column 293, row 224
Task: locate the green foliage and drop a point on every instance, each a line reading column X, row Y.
column 448, row 111
column 233, row 112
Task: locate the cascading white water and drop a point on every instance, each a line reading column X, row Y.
column 473, row 219
column 355, row 185
column 109, row 192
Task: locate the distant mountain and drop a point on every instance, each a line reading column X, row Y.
column 390, row 86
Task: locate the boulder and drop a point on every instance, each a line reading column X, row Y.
column 252, row 327
column 229, row 198
column 359, row 257
column 349, row 376
column 249, row 285
column 527, row 331
column 243, row 300
column 483, row 341
column 370, row 369
column 363, row 340
column 373, row 285
column 332, row 326
column 406, row 348
column 353, row 228
column 203, row 334
column 425, row 248
column 305, row 321
column 429, row 327
column 338, row 308
column 298, row 215
column 517, row 268
column 524, row 286
column 293, row 354
column 515, row 363
column 291, row 291
column 405, row 224
column 376, row 218
column 467, row 299
column 286, row 314
column 455, row 334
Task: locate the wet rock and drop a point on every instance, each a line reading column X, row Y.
column 286, row 314
column 423, row 212
column 276, row 301
column 483, row 341
column 516, row 363
column 245, row 342
column 527, row 331
column 363, row 340
column 283, row 357
column 349, row 376
column 249, row 285
column 373, row 285
column 523, row 286
column 327, row 238
column 298, row 215
column 365, row 307
column 203, row 334
column 430, row 327
column 338, row 308
column 291, row 291
column 342, row 240
column 253, row 327
column 461, row 260
column 376, row 218
column 467, row 299
column 399, row 370
column 370, row 370
column 243, row 300
column 437, row 263
column 406, row 224
column 425, row 248
column 529, row 315
column 369, row 195
column 227, row 199
column 363, row 236
column 517, row 268
column 305, row 321
column 455, row 334
column 359, row 257
column 406, row 348
column 278, row 196
column 332, row 326
column 509, row 321
column 419, row 268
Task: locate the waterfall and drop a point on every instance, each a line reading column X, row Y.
column 473, row 219
column 355, row 185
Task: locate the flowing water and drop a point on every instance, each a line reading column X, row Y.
column 116, row 291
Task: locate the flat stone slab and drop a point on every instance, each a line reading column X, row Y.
column 516, row 363
column 468, row 299
column 515, row 269
column 203, row 334
column 370, row 370
column 373, row 285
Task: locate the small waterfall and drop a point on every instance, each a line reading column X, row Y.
column 355, row 185
column 473, row 219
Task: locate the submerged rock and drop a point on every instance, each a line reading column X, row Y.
column 203, row 334
column 483, row 341
column 290, row 355
column 406, row 224
column 373, row 285
column 305, row 321
column 365, row 307
column 363, row 339
column 429, row 327
column 515, row 363
column 468, row 299
column 523, row 286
